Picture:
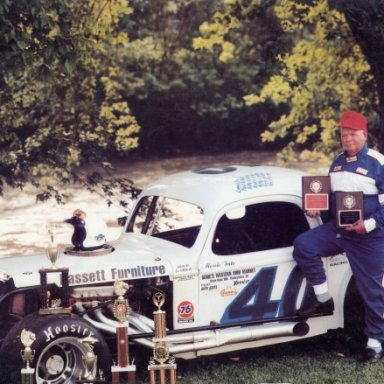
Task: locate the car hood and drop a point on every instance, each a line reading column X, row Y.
column 133, row 257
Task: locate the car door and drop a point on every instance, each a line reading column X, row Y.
column 246, row 269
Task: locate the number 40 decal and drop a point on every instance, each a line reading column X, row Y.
column 254, row 301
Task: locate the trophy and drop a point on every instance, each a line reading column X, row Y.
column 48, row 303
column 349, row 208
column 161, row 361
column 316, row 191
column 52, row 248
column 27, row 354
column 89, row 358
column 121, row 311
column 90, row 363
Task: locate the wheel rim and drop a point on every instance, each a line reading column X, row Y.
column 60, row 362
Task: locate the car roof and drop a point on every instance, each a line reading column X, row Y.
column 215, row 187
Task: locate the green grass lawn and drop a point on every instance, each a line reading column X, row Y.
column 329, row 359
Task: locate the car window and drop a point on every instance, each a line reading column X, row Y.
column 169, row 219
column 263, row 226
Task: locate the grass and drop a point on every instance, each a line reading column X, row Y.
column 327, row 359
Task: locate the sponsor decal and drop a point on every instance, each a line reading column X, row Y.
column 87, row 277
column 362, row 171
column 337, row 260
column 253, row 181
column 183, row 268
column 239, row 276
column 337, row 168
column 351, row 159
column 116, row 274
column 228, row 291
column 185, row 312
column 139, row 271
column 184, row 278
column 75, row 328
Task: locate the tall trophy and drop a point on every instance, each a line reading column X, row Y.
column 120, row 311
column 161, row 361
column 27, row 354
column 49, row 304
column 90, row 363
column 316, row 190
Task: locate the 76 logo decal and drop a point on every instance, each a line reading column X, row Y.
column 185, row 312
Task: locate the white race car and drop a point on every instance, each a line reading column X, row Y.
column 216, row 241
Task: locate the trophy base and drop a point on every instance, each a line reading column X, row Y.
column 55, row 311
column 128, row 368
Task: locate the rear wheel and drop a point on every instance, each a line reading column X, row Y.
column 57, row 350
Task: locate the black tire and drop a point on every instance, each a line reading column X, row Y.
column 58, row 353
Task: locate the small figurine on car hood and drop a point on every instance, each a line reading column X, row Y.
column 79, row 233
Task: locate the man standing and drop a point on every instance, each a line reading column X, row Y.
column 358, row 168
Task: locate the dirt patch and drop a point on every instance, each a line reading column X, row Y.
column 23, row 224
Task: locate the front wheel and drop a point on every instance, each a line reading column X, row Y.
column 58, row 354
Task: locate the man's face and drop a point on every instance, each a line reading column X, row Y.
column 352, row 140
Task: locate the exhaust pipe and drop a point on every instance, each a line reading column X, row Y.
column 204, row 339
column 220, row 337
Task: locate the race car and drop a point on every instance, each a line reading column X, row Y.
column 217, row 242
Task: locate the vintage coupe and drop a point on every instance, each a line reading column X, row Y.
column 216, row 241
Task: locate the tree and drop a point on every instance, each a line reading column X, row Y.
column 334, row 65
column 324, row 74
column 61, row 105
column 365, row 20
column 185, row 90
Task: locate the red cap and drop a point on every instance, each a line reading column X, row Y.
column 353, row 120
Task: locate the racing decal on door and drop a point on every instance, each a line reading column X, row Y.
column 185, row 312
column 254, row 301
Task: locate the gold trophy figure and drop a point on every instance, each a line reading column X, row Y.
column 89, row 358
column 27, row 354
column 52, row 248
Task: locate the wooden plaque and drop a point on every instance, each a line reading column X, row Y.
column 316, row 191
column 349, row 208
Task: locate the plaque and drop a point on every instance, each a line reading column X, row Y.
column 349, row 208
column 316, row 191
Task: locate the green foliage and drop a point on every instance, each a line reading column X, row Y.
column 324, row 75
column 61, row 104
column 185, row 90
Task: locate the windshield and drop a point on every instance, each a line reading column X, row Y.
column 169, row 219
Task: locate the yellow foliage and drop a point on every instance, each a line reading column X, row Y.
column 319, row 78
column 121, row 38
column 214, row 34
column 106, row 13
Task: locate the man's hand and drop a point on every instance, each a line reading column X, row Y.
column 312, row 212
column 357, row 227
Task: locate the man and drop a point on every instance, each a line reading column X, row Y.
column 358, row 168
